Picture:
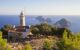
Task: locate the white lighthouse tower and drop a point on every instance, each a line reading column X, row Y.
column 22, row 19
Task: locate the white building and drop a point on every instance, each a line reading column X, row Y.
column 21, row 29
column 22, row 19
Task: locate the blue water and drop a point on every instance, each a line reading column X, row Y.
column 30, row 20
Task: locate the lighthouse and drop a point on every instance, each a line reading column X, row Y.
column 22, row 29
column 22, row 19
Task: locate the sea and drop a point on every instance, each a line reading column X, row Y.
column 31, row 20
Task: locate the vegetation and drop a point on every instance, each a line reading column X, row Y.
column 8, row 26
column 3, row 43
column 46, row 29
column 28, row 47
column 71, row 42
column 5, row 29
column 47, row 45
column 66, row 39
column 42, row 29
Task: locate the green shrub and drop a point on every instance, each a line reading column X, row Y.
column 3, row 43
column 71, row 42
column 28, row 47
column 47, row 45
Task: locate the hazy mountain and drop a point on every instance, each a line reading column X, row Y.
column 48, row 20
column 63, row 23
column 41, row 19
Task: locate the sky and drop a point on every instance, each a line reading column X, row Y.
column 40, row 7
